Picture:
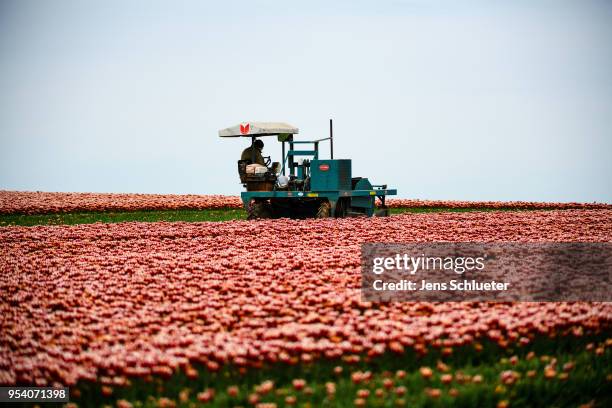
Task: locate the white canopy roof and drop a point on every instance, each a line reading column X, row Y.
column 249, row 129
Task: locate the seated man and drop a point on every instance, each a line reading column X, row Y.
column 253, row 153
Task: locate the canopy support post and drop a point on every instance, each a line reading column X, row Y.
column 331, row 139
column 291, row 161
column 283, row 156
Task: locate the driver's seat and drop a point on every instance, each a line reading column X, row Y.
column 242, row 169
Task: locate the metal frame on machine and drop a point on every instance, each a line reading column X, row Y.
column 333, row 197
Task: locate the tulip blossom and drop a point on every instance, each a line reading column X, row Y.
column 206, row 395
column 298, row 384
column 426, row 372
column 446, row 378
column 363, row 393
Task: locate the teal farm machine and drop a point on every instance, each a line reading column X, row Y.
column 303, row 185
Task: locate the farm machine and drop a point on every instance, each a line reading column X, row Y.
column 303, row 185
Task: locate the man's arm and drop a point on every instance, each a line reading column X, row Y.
column 259, row 158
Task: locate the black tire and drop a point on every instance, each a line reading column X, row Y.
column 382, row 212
column 280, row 209
column 259, row 210
column 341, row 208
column 324, row 210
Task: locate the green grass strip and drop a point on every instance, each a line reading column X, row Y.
column 224, row 214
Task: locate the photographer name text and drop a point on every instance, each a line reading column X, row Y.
column 406, row 264
column 455, row 285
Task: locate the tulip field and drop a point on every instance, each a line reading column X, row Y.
column 20, row 202
column 43, row 208
column 269, row 313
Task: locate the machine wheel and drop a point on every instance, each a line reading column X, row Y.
column 382, row 212
column 341, row 207
column 259, row 210
column 324, row 210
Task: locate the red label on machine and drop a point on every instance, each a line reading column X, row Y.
column 324, row 167
column 244, row 129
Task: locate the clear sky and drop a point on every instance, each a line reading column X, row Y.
column 474, row 100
